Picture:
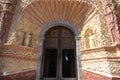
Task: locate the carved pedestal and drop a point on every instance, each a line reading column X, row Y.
column 104, row 61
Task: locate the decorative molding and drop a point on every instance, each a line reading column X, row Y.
column 9, row 64
column 111, row 67
column 64, row 23
column 102, row 59
column 18, row 51
column 101, row 52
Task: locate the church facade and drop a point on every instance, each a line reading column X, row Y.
column 60, row 40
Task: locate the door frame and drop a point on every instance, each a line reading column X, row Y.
column 45, row 28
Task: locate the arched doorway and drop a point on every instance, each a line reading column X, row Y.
column 59, row 58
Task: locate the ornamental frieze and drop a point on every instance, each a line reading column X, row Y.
column 19, row 51
column 11, row 65
column 110, row 67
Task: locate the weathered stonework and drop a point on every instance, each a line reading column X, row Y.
column 9, row 65
column 111, row 67
column 6, row 17
column 20, row 51
column 11, row 55
column 108, row 59
column 116, row 3
column 100, row 58
column 96, row 26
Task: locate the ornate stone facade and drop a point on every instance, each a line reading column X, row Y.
column 92, row 34
column 6, row 17
column 11, row 55
column 105, row 57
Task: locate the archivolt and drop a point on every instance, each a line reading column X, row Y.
column 26, row 3
column 44, row 11
column 64, row 23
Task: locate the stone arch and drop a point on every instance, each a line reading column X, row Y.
column 60, row 23
column 26, row 5
column 68, row 25
column 76, row 13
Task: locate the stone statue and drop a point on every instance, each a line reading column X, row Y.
column 112, row 23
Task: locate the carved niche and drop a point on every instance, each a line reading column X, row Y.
column 89, row 39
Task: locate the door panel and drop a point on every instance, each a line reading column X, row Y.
column 59, row 59
column 50, row 63
column 68, row 63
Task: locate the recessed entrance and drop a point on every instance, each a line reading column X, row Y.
column 59, row 58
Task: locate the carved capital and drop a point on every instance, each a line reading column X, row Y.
column 7, row 6
column 42, row 39
column 77, row 37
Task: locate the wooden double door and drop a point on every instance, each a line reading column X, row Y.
column 59, row 59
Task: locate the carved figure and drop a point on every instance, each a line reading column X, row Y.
column 91, row 41
column 112, row 23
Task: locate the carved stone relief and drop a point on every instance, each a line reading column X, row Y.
column 111, row 67
column 32, row 34
column 91, row 35
column 17, row 17
column 111, row 20
column 6, row 17
column 116, row 4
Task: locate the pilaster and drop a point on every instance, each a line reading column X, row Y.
column 39, row 60
column 78, row 58
column 6, row 19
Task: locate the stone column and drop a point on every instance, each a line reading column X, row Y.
column 39, row 60
column 6, row 19
column 78, row 58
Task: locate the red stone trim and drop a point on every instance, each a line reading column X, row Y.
column 19, row 47
column 16, row 56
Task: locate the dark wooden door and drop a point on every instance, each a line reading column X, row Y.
column 59, row 62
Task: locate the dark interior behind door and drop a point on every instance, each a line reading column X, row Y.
column 50, row 63
column 68, row 63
